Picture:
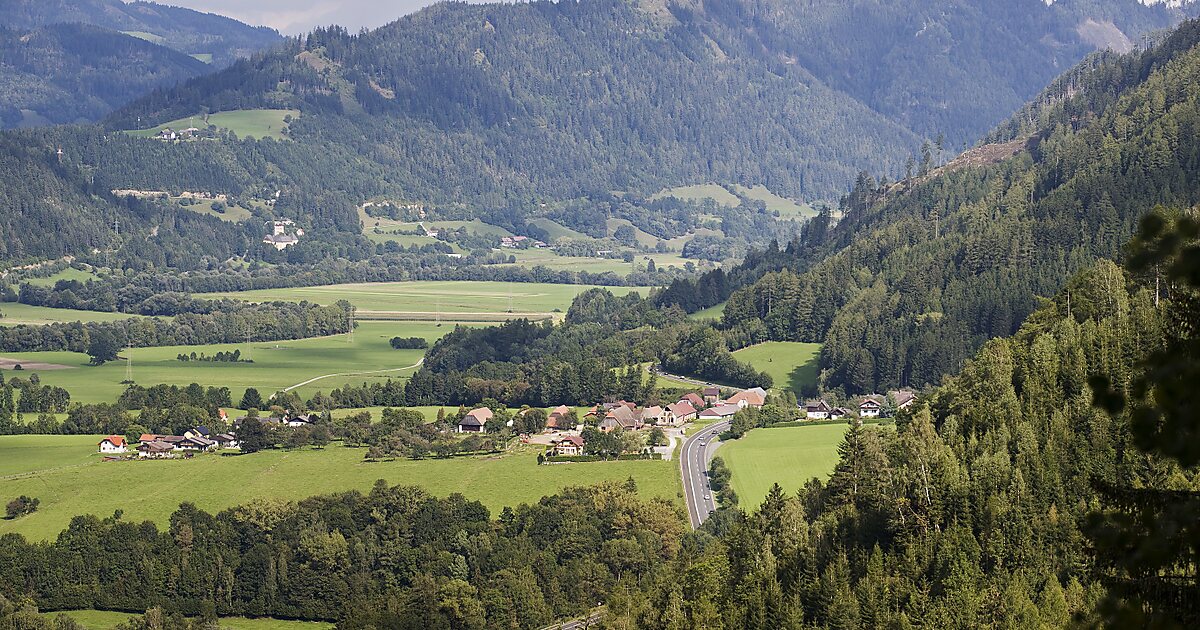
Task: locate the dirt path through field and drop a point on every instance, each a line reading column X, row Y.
column 318, row 378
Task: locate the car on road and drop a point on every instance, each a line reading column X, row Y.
column 708, row 497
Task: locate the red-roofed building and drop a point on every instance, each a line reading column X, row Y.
column 568, row 446
column 113, row 444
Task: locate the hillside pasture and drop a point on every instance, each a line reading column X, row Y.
column 700, row 192
column 556, row 231
column 70, row 273
column 150, row 490
column 232, row 214
column 710, row 313
column 787, row 208
column 792, row 365
column 15, row 314
column 246, row 123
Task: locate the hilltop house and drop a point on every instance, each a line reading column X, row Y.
column 568, row 446
column 113, row 444
column 817, row 410
column 475, row 420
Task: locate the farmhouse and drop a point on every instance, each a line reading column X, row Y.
column 838, row 413
column 113, row 444
column 695, row 401
column 904, row 398
column 227, row 440
column 653, row 415
column 756, row 398
column 475, row 420
column 817, row 410
column 568, row 446
column 196, row 432
column 869, row 408
column 195, row 444
column 712, row 395
column 608, row 425
column 625, row 416
column 280, row 241
column 558, row 417
column 720, row 412
column 155, row 450
column 681, row 412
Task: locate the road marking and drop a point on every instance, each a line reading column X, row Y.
column 319, row 378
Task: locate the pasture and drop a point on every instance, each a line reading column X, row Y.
column 556, row 231
column 62, row 472
column 789, row 456
column 792, row 365
column 246, row 123
column 321, row 364
column 787, row 208
column 70, row 273
column 700, row 192
column 107, row 620
column 712, row 312
column 14, row 314
column 452, row 300
column 232, row 214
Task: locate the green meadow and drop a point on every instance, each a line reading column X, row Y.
column 232, row 214
column 277, row 365
column 70, row 273
column 787, row 208
column 792, row 365
column 69, row 479
column 246, row 123
column 789, row 456
column 107, row 620
column 712, row 312
column 451, row 299
column 700, row 192
column 14, row 314
column 556, row 231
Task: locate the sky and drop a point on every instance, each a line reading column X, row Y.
column 292, row 17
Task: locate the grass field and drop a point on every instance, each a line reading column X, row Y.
column 232, row 214
column 247, row 123
column 14, row 314
column 452, row 299
column 557, row 231
column 55, row 470
column 787, row 208
column 407, row 240
column 150, row 37
column 789, row 456
column 700, row 192
column 70, row 273
column 107, row 620
column 791, row 364
column 644, row 239
column 277, row 365
column 712, row 312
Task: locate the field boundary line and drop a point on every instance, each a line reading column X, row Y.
column 323, row 377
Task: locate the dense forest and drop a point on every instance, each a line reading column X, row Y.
column 917, row 275
column 184, row 30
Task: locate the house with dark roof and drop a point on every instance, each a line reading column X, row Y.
column 156, row 449
column 227, row 440
column 712, row 395
column 625, row 416
column 817, row 410
column 904, row 398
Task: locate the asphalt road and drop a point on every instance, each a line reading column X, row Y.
column 697, row 452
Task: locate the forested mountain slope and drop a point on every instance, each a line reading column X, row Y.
column 68, row 73
column 498, row 102
column 918, row 275
column 184, row 30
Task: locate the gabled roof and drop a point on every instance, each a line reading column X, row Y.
column 652, row 412
column 470, row 421
column 712, row 391
column 720, row 411
column 572, row 439
column 869, row 403
column 226, row 437
column 752, row 398
column 622, row 414
column 561, row 410
column 903, row 396
column 682, row 408
column 817, row 406
column 156, row 446
column 116, row 440
column 483, row 414
column 695, row 399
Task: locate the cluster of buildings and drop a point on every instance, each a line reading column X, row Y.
column 282, row 234
column 171, row 135
column 515, row 242
column 868, row 407
column 156, row 446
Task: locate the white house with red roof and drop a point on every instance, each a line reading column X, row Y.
column 113, row 445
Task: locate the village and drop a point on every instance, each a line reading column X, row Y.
column 607, row 431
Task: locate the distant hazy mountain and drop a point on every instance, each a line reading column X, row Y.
column 67, row 73
column 213, row 38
